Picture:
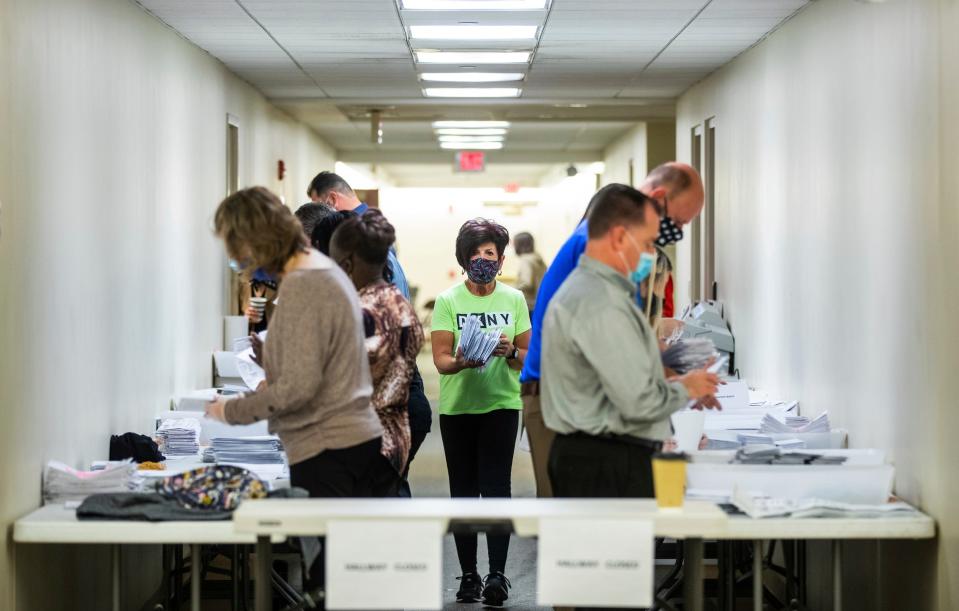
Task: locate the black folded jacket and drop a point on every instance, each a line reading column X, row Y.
column 132, row 445
column 142, row 506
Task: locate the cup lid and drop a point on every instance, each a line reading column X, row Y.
column 671, row 456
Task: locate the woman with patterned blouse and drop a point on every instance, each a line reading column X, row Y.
column 394, row 335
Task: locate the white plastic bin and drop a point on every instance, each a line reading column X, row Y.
column 863, row 484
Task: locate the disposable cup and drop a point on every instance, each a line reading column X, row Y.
column 669, row 479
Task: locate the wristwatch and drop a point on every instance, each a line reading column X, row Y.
column 514, row 355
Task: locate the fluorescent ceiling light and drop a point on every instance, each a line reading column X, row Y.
column 472, row 57
column 452, row 131
column 473, row 32
column 474, row 5
column 477, row 146
column 472, row 77
column 469, row 124
column 470, row 138
column 472, row 92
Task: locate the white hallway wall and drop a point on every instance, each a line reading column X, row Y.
column 836, row 230
column 112, row 161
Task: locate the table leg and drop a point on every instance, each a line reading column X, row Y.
column 178, row 577
column 757, row 575
column 196, row 578
column 115, row 576
column 693, row 575
column 262, row 575
column 837, row 575
column 789, row 553
column 235, row 578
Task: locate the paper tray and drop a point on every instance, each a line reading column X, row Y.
column 867, row 485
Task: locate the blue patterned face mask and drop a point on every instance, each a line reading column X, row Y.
column 482, row 271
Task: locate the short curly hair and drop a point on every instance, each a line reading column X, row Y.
column 258, row 230
column 474, row 234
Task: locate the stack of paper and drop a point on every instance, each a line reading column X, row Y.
column 749, row 439
column 790, row 444
column 248, row 450
column 62, row 483
column 477, row 344
column 795, row 424
column 714, row 443
column 180, row 436
column 774, row 455
column 757, row 505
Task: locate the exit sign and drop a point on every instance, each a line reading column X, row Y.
column 470, row 161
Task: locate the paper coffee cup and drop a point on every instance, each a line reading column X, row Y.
column 258, row 303
column 688, row 429
column 669, row 479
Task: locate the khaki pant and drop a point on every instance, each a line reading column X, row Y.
column 540, row 438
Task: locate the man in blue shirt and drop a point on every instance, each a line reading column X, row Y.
column 330, row 189
column 678, row 189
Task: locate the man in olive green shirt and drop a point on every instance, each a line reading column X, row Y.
column 604, row 390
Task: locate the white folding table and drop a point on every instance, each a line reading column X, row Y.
column 56, row 524
column 915, row 525
column 694, row 522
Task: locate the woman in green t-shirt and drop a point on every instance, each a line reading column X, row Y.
column 480, row 402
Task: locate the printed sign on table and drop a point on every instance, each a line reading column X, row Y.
column 381, row 564
column 595, row 563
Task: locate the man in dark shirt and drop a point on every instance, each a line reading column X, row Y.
column 331, row 189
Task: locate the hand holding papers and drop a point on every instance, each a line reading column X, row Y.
column 477, row 345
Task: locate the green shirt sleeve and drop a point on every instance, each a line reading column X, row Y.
column 631, row 375
column 443, row 317
column 521, row 311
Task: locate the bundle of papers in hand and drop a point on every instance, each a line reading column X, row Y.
column 688, row 354
column 180, row 436
column 62, row 483
column 247, row 450
column 794, row 424
column 477, row 344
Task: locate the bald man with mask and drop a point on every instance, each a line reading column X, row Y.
column 677, row 190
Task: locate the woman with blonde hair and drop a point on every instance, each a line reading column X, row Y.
column 317, row 395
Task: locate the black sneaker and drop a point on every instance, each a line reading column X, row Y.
column 471, row 588
column 497, row 589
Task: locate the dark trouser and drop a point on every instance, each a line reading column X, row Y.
column 479, row 459
column 583, row 466
column 359, row 471
column 540, row 437
column 421, row 420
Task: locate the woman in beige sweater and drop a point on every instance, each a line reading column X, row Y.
column 317, row 393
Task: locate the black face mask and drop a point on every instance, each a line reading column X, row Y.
column 669, row 231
